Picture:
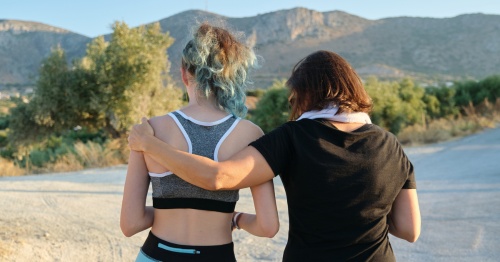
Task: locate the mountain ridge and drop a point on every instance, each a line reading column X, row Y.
column 453, row 48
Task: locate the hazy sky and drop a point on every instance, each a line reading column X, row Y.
column 94, row 17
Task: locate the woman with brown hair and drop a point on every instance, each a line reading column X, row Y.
column 348, row 182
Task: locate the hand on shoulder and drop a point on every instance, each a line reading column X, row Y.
column 137, row 133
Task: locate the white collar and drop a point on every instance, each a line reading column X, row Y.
column 330, row 113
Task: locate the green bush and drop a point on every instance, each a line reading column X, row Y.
column 272, row 110
column 4, row 122
column 7, row 152
column 3, row 139
column 39, row 158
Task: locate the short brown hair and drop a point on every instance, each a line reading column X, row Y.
column 322, row 78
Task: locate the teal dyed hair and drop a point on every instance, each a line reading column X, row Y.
column 220, row 65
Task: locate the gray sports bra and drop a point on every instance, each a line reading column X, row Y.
column 205, row 139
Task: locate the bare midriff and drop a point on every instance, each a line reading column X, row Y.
column 192, row 227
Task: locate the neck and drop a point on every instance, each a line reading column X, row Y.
column 202, row 103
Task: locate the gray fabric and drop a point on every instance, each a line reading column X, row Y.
column 204, row 140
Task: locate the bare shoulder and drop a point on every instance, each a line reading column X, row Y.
column 159, row 122
column 247, row 128
column 162, row 125
column 243, row 134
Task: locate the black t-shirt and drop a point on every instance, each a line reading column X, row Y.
column 340, row 187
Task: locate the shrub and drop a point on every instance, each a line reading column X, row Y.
column 272, row 109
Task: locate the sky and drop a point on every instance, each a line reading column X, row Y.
column 95, row 17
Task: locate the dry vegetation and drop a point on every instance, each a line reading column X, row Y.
column 475, row 119
column 9, row 168
column 85, row 155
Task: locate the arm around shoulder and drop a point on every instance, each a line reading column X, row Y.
column 404, row 219
column 247, row 167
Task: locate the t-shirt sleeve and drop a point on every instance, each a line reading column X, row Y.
column 410, row 182
column 275, row 147
column 409, row 171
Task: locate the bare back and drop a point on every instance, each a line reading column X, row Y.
column 193, row 226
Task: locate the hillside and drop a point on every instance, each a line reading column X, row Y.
column 424, row 48
column 23, row 45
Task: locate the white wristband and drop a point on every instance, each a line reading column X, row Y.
column 235, row 220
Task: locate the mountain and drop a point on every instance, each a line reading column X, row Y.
column 464, row 46
column 23, row 45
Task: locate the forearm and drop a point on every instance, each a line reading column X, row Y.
column 252, row 225
column 148, row 218
column 408, row 233
column 194, row 169
column 392, row 228
column 135, row 216
column 133, row 224
column 404, row 219
column 246, row 168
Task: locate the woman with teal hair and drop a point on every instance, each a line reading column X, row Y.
column 189, row 223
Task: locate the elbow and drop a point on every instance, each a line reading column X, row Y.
column 414, row 232
column 210, row 180
column 412, row 239
column 216, row 182
column 412, row 236
column 270, row 230
column 216, row 185
column 211, row 184
column 409, row 233
column 271, row 233
column 126, row 231
column 127, row 228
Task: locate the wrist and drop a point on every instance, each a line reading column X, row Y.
column 146, row 142
column 236, row 219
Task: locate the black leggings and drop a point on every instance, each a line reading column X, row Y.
column 156, row 249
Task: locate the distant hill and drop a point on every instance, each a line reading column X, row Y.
column 465, row 46
column 23, row 45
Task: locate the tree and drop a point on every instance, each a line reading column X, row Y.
column 31, row 121
column 440, row 101
column 387, row 105
column 476, row 92
column 131, row 72
column 272, row 110
column 412, row 102
column 115, row 84
column 396, row 104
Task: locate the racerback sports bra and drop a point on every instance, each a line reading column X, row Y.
column 205, row 139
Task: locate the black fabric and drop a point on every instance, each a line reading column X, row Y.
column 194, row 203
column 340, row 187
column 219, row 253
